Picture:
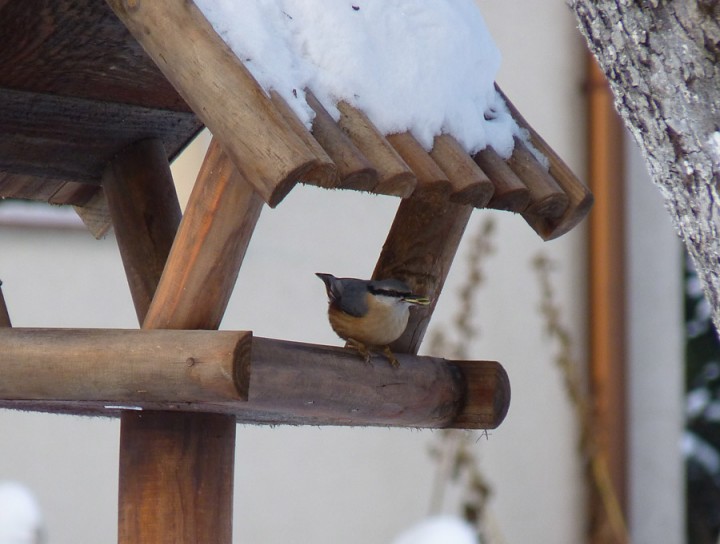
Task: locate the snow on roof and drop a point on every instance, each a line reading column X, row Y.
column 427, row 66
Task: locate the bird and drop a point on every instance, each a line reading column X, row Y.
column 369, row 313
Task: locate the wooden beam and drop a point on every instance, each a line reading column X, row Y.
column 419, row 249
column 145, row 213
column 324, row 173
column 510, row 194
column 394, row 176
column 291, row 382
column 580, row 197
column 547, row 199
column 430, row 177
column 211, row 242
column 468, row 183
column 216, row 85
column 354, row 170
column 124, row 366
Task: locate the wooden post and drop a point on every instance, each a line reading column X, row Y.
column 175, row 468
column 145, row 213
column 176, row 478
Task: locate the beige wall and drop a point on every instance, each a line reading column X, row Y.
column 338, row 485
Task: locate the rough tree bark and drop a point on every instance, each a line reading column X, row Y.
column 662, row 59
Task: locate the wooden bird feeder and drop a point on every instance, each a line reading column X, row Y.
column 97, row 99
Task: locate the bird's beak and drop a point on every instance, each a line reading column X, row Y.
column 416, row 299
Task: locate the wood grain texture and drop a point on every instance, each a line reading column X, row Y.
column 419, row 250
column 123, row 366
column 354, row 171
column 209, row 248
column 145, row 214
column 547, row 199
column 72, row 139
column 216, row 85
column 181, row 483
column 510, row 193
column 430, row 177
column 304, row 384
column 580, row 197
column 468, row 183
column 78, row 48
column 95, row 214
column 394, row 175
column 324, row 173
column 486, row 396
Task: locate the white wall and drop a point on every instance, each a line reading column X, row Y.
column 339, row 485
column 656, row 357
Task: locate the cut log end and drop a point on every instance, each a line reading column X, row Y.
column 487, row 395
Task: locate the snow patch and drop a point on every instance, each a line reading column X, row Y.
column 439, row 530
column 20, row 518
column 427, row 66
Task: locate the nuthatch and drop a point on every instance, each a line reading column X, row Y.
column 369, row 313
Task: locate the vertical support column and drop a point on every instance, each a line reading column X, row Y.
column 607, row 296
column 176, row 469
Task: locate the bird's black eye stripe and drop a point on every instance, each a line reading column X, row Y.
column 388, row 292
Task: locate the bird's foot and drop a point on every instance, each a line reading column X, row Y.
column 391, row 357
column 361, row 349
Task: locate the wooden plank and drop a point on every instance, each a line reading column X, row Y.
column 510, row 194
column 419, row 249
column 73, row 139
column 145, row 213
column 580, row 197
column 24, row 187
column 123, row 366
column 547, row 199
column 394, row 176
column 78, row 48
column 209, row 248
column 354, row 170
column 95, row 214
column 468, row 183
column 430, row 177
column 4, row 314
column 75, row 194
column 217, row 86
column 292, row 383
column 184, row 479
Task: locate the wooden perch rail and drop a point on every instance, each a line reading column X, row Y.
column 99, row 372
column 123, row 366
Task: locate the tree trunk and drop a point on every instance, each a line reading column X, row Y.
column 661, row 59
